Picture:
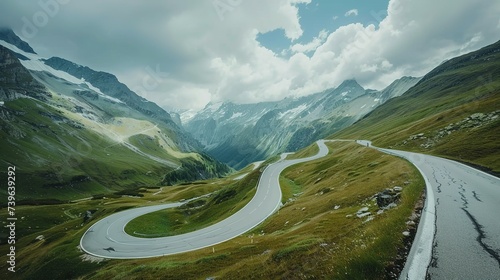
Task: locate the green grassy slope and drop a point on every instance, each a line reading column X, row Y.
column 449, row 94
column 310, row 237
column 56, row 157
column 68, row 142
column 53, row 159
column 199, row 213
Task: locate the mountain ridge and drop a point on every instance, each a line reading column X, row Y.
column 13, row 74
column 110, row 85
column 242, row 133
column 69, row 139
column 451, row 112
column 7, row 35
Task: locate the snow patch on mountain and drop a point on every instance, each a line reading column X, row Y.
column 213, row 107
column 292, row 113
column 35, row 63
column 186, row 116
column 239, row 134
column 235, row 115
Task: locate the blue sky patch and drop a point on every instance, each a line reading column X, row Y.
column 326, row 15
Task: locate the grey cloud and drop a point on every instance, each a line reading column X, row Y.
column 209, row 56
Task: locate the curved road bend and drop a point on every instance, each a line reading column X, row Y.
column 107, row 237
column 459, row 234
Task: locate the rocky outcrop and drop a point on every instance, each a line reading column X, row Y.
column 388, row 198
column 474, row 121
column 8, row 95
column 7, row 115
column 16, row 81
column 363, row 212
column 385, row 200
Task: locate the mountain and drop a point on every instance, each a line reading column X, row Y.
column 70, row 138
column 452, row 111
column 110, row 85
column 16, row 80
column 7, row 35
column 398, row 87
column 238, row 134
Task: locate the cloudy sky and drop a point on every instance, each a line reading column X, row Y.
column 183, row 54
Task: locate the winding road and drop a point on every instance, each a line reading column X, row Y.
column 459, row 232
column 458, row 235
column 107, row 238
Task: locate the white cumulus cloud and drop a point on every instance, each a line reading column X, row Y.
column 353, row 12
column 311, row 46
column 202, row 58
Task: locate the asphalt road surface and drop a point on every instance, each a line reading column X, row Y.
column 107, row 237
column 459, row 233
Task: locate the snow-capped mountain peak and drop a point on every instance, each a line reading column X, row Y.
column 241, row 133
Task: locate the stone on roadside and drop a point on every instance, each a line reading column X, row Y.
column 361, row 215
column 384, row 199
column 390, row 206
column 397, row 188
column 362, row 210
column 370, row 218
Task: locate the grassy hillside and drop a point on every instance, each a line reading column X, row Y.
column 58, row 154
column 440, row 116
column 199, row 213
column 316, row 234
column 67, row 141
column 58, row 159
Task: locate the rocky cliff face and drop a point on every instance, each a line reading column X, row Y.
column 15, row 80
